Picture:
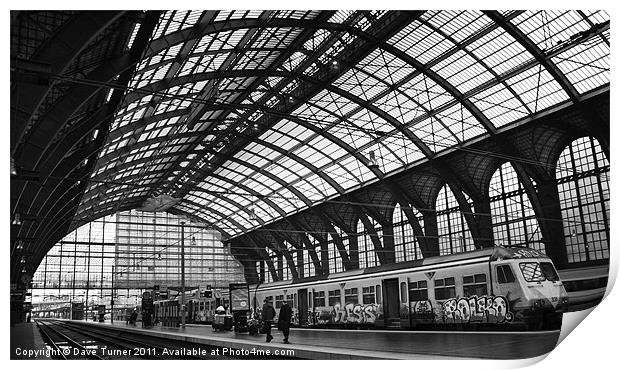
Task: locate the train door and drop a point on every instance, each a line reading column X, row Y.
column 503, row 281
column 302, row 306
column 390, row 299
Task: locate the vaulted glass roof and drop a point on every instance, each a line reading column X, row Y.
column 250, row 116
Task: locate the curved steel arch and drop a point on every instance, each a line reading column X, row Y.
column 226, row 200
column 275, row 178
column 359, row 33
column 303, row 162
column 314, row 21
column 202, row 206
column 255, row 193
column 533, row 49
column 60, row 51
column 67, row 105
column 459, row 46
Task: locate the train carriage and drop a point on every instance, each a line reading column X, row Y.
column 198, row 310
column 503, row 287
column 201, row 311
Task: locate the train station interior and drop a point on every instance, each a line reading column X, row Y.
column 175, row 155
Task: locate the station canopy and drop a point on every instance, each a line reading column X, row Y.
column 241, row 118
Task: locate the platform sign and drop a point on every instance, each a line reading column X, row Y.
column 239, row 297
column 163, row 291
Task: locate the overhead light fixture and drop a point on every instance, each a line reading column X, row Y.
column 291, row 99
column 13, row 170
column 253, row 216
column 24, row 269
column 20, row 245
column 372, row 161
column 17, row 219
column 23, row 260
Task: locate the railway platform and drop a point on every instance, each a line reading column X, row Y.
column 26, row 342
column 362, row 344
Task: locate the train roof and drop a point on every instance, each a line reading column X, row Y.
column 492, row 254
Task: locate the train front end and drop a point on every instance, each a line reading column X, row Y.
column 535, row 290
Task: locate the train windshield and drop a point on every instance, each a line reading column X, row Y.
column 549, row 271
column 535, row 272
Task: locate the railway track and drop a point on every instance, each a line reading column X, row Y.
column 102, row 343
column 78, row 347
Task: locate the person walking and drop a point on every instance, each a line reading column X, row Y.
column 267, row 315
column 284, row 320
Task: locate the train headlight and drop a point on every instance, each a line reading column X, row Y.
column 565, row 300
column 538, row 304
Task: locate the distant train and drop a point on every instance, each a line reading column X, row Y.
column 199, row 310
column 506, row 288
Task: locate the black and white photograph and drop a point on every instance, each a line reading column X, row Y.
column 256, row 184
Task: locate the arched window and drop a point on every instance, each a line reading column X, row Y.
column 512, row 215
column 335, row 264
column 335, row 261
column 308, row 264
column 406, row 245
column 583, row 185
column 274, row 260
column 452, row 229
column 367, row 255
column 286, row 273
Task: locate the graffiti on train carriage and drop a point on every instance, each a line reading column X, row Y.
column 422, row 307
column 353, row 313
column 488, row 309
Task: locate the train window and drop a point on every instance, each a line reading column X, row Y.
column 531, row 271
column 334, row 297
column 350, row 296
column 418, row 291
column 549, row 271
column 279, row 299
column 403, row 292
column 378, row 292
column 319, row 299
column 368, row 295
column 504, row 274
column 445, row 288
column 290, row 298
column 475, row 285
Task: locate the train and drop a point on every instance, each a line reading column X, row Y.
column 503, row 288
column 199, row 310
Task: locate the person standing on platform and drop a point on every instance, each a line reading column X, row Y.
column 284, row 320
column 267, row 315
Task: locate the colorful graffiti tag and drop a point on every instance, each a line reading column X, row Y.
column 489, row 309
